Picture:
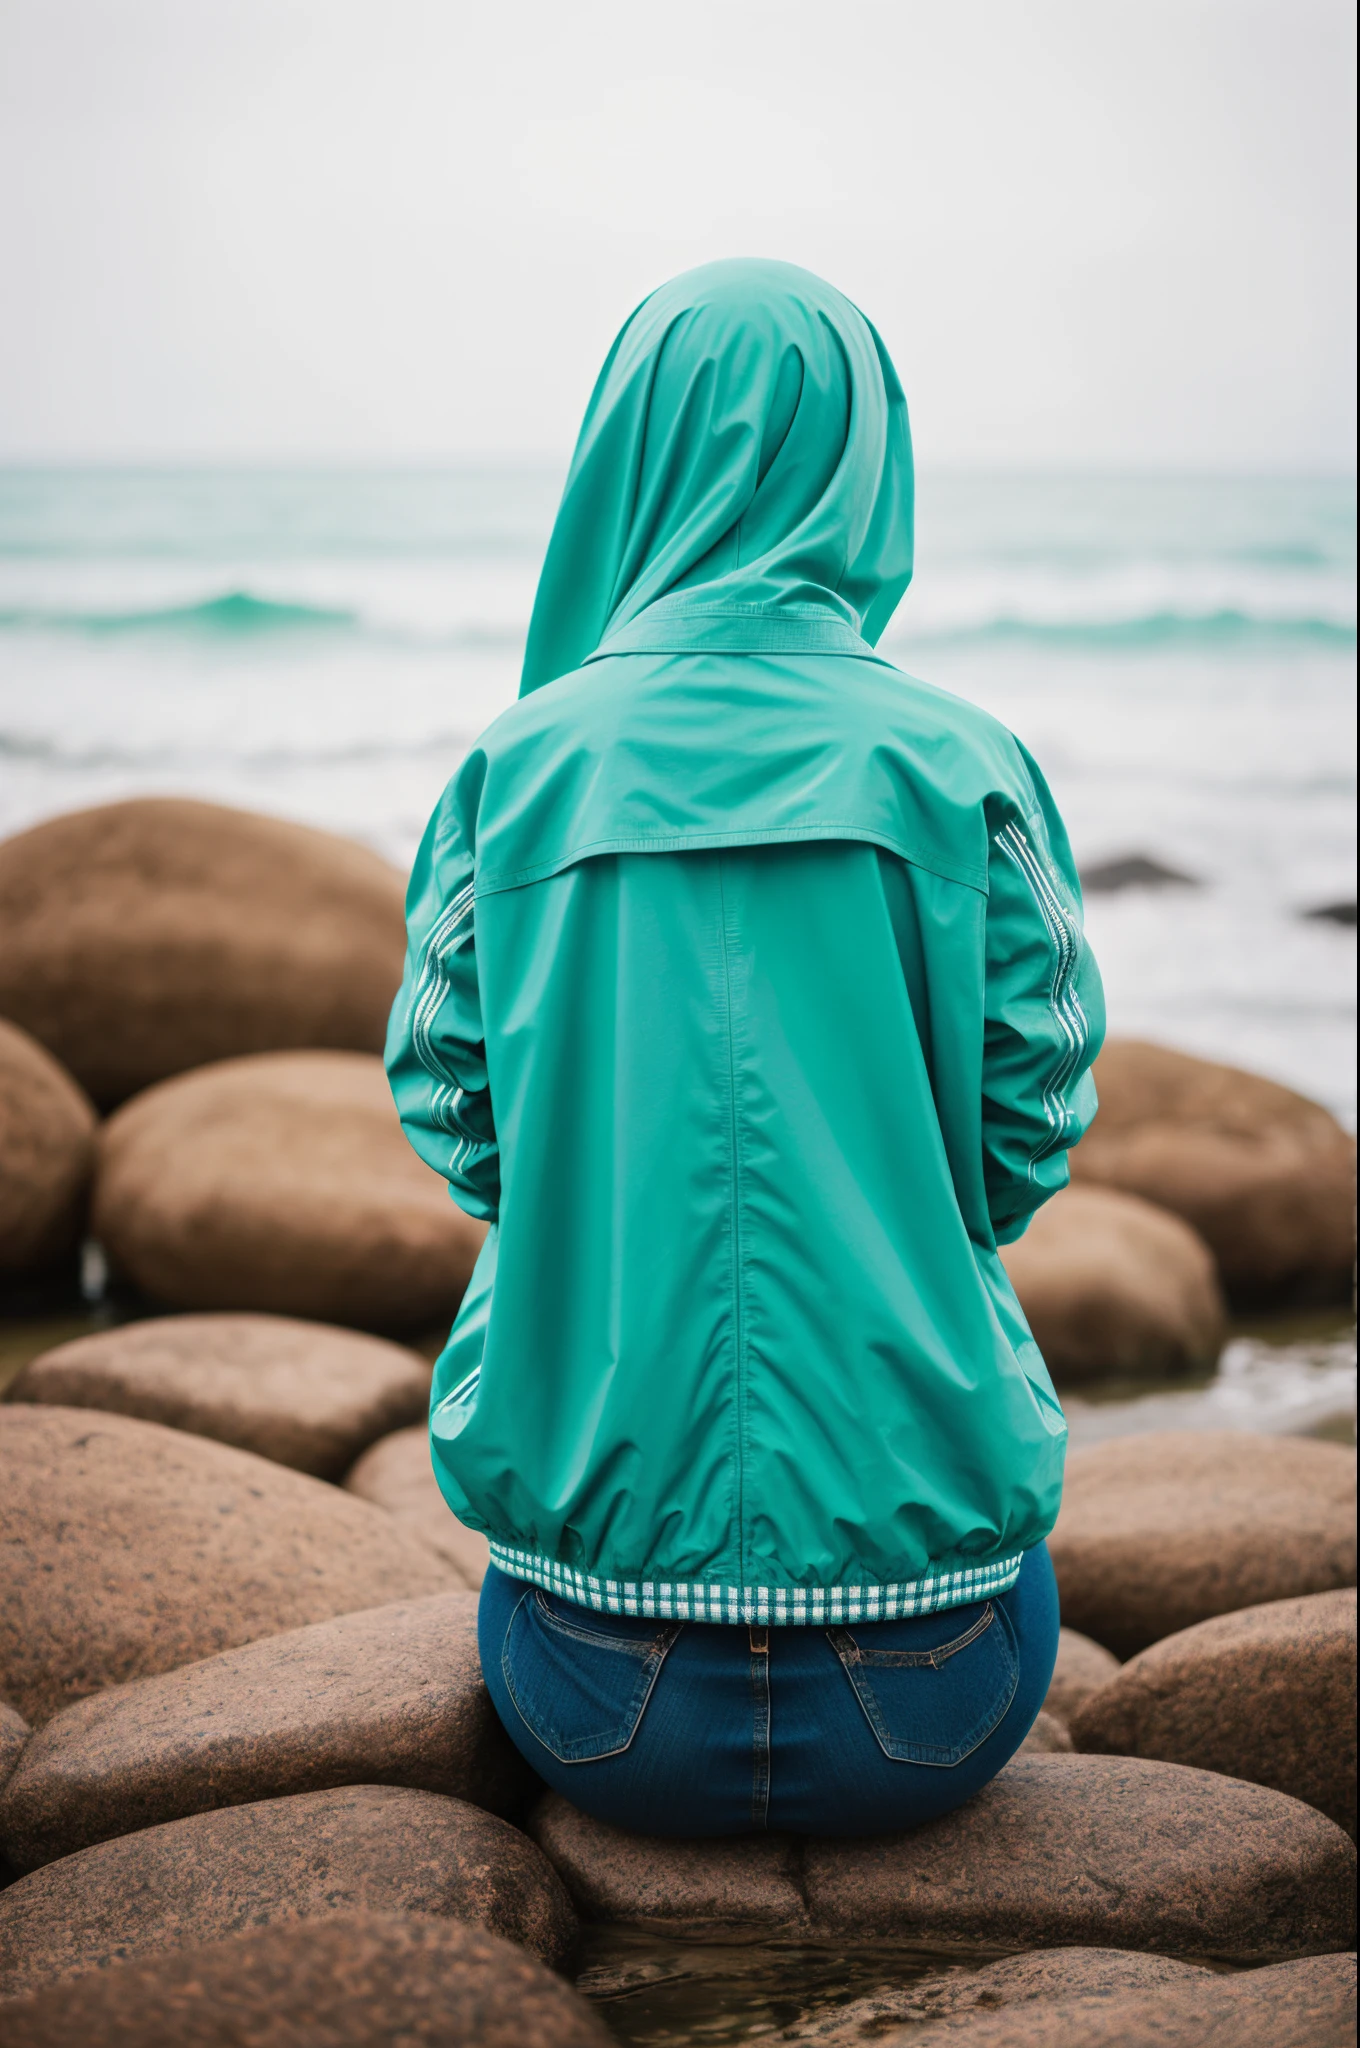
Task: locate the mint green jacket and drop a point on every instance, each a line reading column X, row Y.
column 747, row 1001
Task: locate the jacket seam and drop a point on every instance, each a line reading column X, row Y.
column 968, row 876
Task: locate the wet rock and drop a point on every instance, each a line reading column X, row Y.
column 1305, row 2004
column 13, row 1736
column 1048, row 1737
column 282, row 1182
column 1082, row 1668
column 389, row 1696
column 1057, row 1850
column 140, row 939
column 1266, row 1177
column 396, row 1474
column 1111, row 1285
column 1133, row 871
column 307, row 1395
column 352, row 1980
column 46, row 1155
column 378, row 1848
column 1161, row 1531
column 1267, row 1693
column 128, row 1549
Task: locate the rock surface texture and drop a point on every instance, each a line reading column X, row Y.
column 1057, row 1850
column 1266, row 1177
column 352, row 1980
column 363, row 1847
column 1082, row 1668
column 143, row 938
column 1111, row 1285
column 1267, row 1694
column 390, row 1696
column 282, row 1182
column 396, row 1474
column 13, row 1736
column 127, row 1549
column 46, row 1155
column 307, row 1395
column 1161, row 1531
column 1048, row 1737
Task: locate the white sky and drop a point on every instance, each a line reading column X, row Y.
column 1091, row 231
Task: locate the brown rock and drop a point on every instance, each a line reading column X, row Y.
column 13, row 1736
column 1267, row 1694
column 353, row 1980
column 1111, row 1286
column 282, row 1182
column 376, row 1848
column 1158, row 1532
column 1266, row 1177
column 1082, row 1668
column 1048, row 1737
column 1307, row 2004
column 307, row 1395
column 127, row 1549
column 143, row 938
column 46, row 1155
column 396, row 1474
column 389, row 1696
column 1057, row 1850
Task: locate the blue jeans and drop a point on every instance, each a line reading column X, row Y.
column 690, row 1728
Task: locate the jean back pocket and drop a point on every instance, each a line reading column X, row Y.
column 580, row 1681
column 933, row 1701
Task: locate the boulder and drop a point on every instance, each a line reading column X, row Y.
column 1057, row 1850
column 1082, row 1668
column 377, row 1848
column 1267, row 1693
column 1306, row 2004
column 1112, row 1286
column 13, row 1736
column 282, row 1182
column 139, row 939
column 46, row 1155
column 1048, row 1737
column 1158, row 1532
column 127, row 1549
column 1265, row 1176
column 303, row 1394
column 389, row 1696
column 396, row 1474
column 352, row 1980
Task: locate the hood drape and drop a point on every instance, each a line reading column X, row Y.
column 743, row 473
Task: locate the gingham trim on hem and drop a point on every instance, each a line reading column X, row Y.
column 772, row 1606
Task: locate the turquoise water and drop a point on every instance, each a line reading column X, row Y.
column 1178, row 652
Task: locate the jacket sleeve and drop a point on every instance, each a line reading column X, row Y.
column 1045, row 1010
column 436, row 1055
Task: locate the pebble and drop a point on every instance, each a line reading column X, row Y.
column 1048, row 1737
column 1160, row 1531
column 1267, row 1693
column 352, row 1980
column 380, row 1848
column 396, row 1474
column 304, row 1394
column 46, row 1155
column 1082, row 1668
column 130, row 1549
column 139, row 939
column 282, row 1182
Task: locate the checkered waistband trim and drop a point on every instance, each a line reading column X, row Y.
column 774, row 1606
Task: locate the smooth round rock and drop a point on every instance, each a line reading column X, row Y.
column 139, row 939
column 352, row 1980
column 14, row 1733
column 128, row 1549
column 1267, row 1694
column 1048, row 1737
column 46, row 1155
column 1082, row 1668
column 389, row 1696
column 1158, row 1532
column 396, row 1474
column 376, row 1848
column 307, row 1395
column 1097, row 1851
column 282, row 1182
column 1265, row 1176
column 1306, row 2004
column 1112, row 1286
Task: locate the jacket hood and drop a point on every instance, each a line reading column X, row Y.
column 743, row 477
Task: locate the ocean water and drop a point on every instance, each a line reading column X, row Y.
column 1179, row 654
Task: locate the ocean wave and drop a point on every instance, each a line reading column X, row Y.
column 1227, row 630
column 236, row 612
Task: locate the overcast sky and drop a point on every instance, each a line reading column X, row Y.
column 1103, row 232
